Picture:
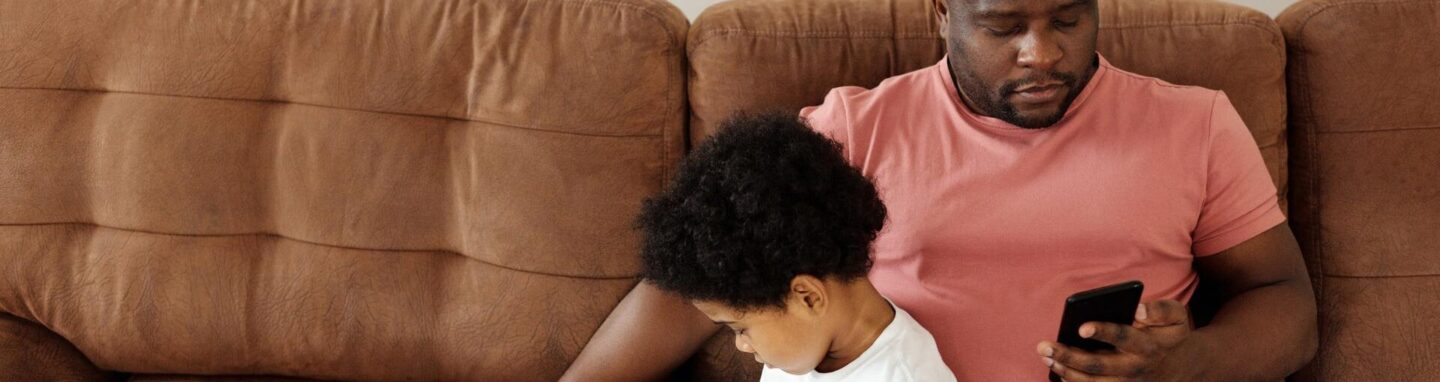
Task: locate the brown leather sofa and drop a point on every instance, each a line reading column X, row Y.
column 1364, row 80
column 346, row 189
column 389, row 190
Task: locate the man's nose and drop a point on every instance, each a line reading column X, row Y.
column 1039, row 50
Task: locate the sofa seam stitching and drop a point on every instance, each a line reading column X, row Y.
column 710, row 34
column 288, row 102
column 298, row 240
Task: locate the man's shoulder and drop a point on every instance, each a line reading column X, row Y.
column 1129, row 87
column 853, row 111
column 898, row 90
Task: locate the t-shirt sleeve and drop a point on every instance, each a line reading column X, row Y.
column 832, row 119
column 1240, row 198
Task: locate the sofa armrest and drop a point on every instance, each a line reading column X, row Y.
column 30, row 352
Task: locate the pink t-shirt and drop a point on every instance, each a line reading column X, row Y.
column 992, row 226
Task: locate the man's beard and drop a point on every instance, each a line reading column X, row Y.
column 996, row 106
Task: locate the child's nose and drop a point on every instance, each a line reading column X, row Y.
column 743, row 345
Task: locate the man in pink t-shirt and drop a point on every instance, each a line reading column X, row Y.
column 993, row 224
column 1024, row 168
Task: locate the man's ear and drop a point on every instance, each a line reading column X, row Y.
column 942, row 17
column 809, row 293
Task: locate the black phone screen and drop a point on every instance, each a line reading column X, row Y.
column 1113, row 303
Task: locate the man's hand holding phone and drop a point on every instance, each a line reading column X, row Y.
column 1156, row 347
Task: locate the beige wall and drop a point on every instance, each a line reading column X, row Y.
column 1272, row 7
column 692, row 8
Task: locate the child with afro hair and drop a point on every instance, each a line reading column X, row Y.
column 766, row 229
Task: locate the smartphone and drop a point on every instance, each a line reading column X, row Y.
column 1113, row 303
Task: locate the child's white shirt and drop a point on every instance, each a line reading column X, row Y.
column 905, row 351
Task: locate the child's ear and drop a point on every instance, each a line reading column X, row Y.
column 810, row 292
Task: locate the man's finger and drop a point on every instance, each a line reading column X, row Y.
column 1162, row 313
column 1089, row 363
column 1069, row 374
column 1127, row 339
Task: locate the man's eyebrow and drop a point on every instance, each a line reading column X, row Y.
column 724, row 322
column 991, row 14
column 1012, row 14
column 1075, row 4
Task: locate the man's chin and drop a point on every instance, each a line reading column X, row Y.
column 1039, row 121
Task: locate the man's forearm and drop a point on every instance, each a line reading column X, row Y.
column 646, row 337
column 1263, row 334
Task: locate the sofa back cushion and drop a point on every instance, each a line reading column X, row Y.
column 1365, row 201
column 368, row 189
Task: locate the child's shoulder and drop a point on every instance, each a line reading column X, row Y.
column 914, row 352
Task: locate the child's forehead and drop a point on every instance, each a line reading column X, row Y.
column 718, row 311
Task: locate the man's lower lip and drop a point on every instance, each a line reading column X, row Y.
column 1040, row 96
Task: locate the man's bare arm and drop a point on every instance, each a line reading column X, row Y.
column 646, row 337
column 1266, row 329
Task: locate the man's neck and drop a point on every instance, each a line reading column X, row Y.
column 871, row 314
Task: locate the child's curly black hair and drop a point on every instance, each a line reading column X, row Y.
column 764, row 200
